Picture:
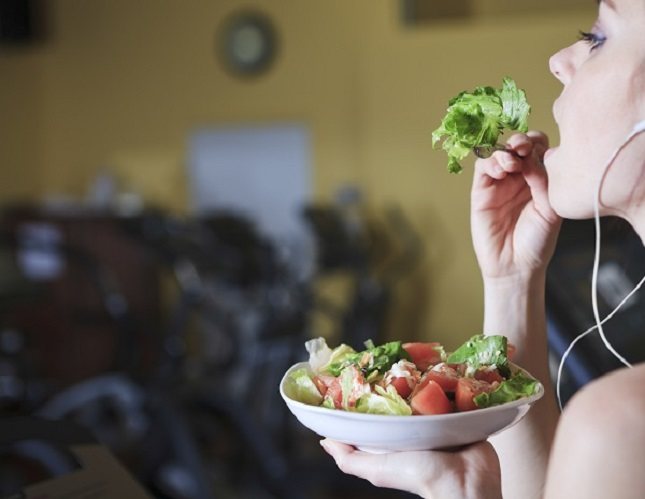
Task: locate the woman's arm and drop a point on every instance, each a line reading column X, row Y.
column 515, row 307
column 514, row 234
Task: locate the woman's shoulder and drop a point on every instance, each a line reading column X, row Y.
column 598, row 449
column 617, row 398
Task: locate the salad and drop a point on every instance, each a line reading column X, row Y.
column 478, row 118
column 398, row 378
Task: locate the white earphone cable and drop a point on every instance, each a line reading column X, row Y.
column 638, row 128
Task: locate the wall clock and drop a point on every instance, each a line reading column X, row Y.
column 248, row 43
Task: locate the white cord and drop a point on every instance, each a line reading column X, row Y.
column 590, row 330
column 638, row 128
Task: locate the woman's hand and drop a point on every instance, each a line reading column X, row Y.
column 470, row 472
column 513, row 226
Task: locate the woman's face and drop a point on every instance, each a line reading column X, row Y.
column 603, row 98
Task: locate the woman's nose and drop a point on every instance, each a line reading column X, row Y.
column 561, row 65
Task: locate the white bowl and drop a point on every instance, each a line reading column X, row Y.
column 378, row 433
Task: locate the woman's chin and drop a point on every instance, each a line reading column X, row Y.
column 573, row 212
column 566, row 206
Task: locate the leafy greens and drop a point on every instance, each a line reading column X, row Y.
column 375, row 359
column 481, row 351
column 511, row 389
column 478, row 118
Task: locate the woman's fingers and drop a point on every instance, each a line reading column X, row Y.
column 539, row 138
column 487, row 169
column 525, row 143
column 531, row 148
column 336, row 449
column 510, row 162
column 501, row 162
column 536, row 178
column 357, row 463
column 348, row 459
column 525, row 149
column 521, row 143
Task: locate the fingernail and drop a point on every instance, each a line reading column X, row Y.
column 323, row 444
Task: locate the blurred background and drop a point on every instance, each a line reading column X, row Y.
column 191, row 190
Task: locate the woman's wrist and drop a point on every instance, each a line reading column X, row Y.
column 518, row 280
column 513, row 297
column 515, row 307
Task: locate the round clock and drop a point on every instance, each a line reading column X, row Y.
column 248, row 43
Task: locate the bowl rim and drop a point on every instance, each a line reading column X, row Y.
column 417, row 418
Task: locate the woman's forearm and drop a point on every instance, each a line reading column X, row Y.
column 514, row 307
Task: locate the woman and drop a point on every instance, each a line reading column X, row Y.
column 598, row 449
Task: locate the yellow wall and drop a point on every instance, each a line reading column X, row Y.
column 121, row 84
column 408, row 75
column 20, row 114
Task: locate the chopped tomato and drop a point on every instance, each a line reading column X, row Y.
column 420, row 385
column 467, row 389
column 402, row 385
column 445, row 376
column 489, row 375
column 404, row 376
column 335, row 393
column 423, row 354
column 510, row 350
column 322, row 384
column 431, row 399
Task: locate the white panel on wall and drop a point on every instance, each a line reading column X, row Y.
column 262, row 172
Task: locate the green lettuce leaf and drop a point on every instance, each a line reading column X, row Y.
column 299, row 386
column 517, row 387
column 339, row 358
column 373, row 359
column 515, row 108
column 478, row 118
column 384, row 401
column 481, row 351
column 328, row 403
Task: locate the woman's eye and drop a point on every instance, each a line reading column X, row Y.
column 594, row 40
